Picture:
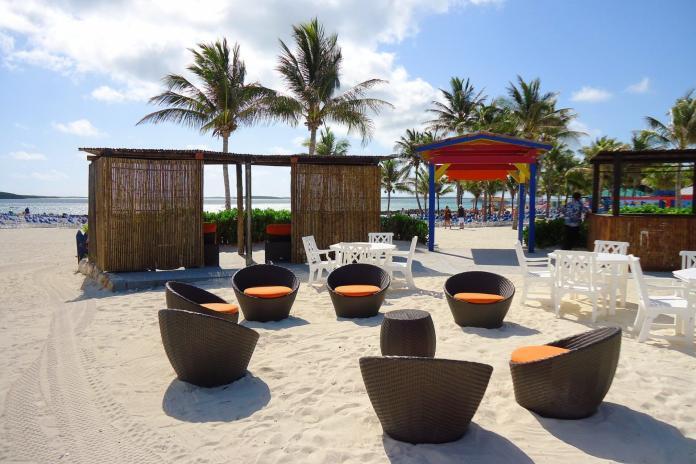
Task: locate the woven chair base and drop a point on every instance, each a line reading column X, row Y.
column 188, row 297
column 360, row 273
column 487, row 316
column 265, row 309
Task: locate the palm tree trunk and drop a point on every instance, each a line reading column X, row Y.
column 420, row 208
column 240, row 212
column 502, row 203
column 226, row 176
column 312, row 140
column 389, row 202
column 548, row 203
column 460, row 193
column 514, row 216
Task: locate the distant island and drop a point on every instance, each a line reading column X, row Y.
column 14, row 196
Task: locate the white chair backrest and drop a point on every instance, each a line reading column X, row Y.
column 412, row 250
column 380, row 237
column 688, row 259
column 311, row 249
column 520, row 257
column 355, row 253
column 574, row 268
column 607, row 246
column 637, row 272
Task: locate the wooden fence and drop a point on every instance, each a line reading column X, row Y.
column 145, row 214
column 334, row 203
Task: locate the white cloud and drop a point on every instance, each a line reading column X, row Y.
column 44, row 176
column 590, row 94
column 80, row 127
column 21, row 126
column 26, row 156
column 590, row 132
column 639, row 87
column 75, row 38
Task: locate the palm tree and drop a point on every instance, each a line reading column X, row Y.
column 312, row 73
column 511, row 186
column 475, row 188
column 393, row 179
column 603, row 143
column 406, row 147
column 458, row 113
column 496, row 118
column 329, row 145
column 555, row 163
column 679, row 132
column 221, row 103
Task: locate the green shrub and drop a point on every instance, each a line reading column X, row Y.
column 653, row 209
column 405, row 227
column 550, row 233
column 226, row 222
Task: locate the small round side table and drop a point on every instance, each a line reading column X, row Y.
column 408, row 332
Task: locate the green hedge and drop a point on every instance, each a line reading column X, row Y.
column 227, row 223
column 653, row 209
column 405, row 227
column 550, row 233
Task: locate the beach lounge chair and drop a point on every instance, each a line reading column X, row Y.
column 357, row 290
column 401, row 267
column 568, row 378
column 424, row 400
column 478, row 298
column 207, row 351
column 679, row 303
column 316, row 264
column 265, row 292
column 191, row 298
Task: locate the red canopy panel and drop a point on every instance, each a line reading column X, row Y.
column 478, row 159
column 477, row 175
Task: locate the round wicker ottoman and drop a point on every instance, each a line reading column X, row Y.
column 408, row 332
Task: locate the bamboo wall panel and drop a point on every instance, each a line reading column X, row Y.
column 656, row 240
column 148, row 214
column 334, row 203
column 92, row 213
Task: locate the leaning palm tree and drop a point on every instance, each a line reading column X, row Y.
column 679, row 132
column 329, row 145
column 393, row 179
column 220, row 103
column 406, row 148
column 312, row 73
column 458, row 112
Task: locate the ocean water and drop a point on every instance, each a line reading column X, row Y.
column 79, row 205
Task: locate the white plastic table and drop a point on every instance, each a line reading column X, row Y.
column 385, row 248
column 687, row 275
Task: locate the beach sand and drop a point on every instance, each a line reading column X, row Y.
column 85, row 377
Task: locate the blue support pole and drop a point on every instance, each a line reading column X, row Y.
column 520, row 211
column 532, row 206
column 431, row 206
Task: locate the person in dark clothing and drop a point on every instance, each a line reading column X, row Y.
column 572, row 216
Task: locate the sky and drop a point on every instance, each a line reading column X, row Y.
column 77, row 73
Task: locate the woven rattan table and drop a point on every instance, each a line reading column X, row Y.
column 408, row 332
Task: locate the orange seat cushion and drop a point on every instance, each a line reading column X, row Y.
column 535, row 353
column 228, row 308
column 357, row 290
column 478, row 298
column 269, row 291
column 278, row 229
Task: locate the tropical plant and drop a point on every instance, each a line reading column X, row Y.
column 496, row 118
column 458, row 112
column 600, row 144
column 393, row 179
column 679, row 132
column 512, row 186
column 329, row 145
column 475, row 188
column 220, row 103
column 312, row 73
column 554, row 165
column 406, row 148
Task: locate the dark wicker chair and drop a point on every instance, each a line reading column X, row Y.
column 570, row 385
column 207, row 351
column 424, row 400
column 363, row 274
column 489, row 315
column 265, row 309
column 188, row 297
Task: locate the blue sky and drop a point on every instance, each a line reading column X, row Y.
column 76, row 73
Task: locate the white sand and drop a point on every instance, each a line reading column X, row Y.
column 85, row 378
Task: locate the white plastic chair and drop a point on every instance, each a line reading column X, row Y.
column 688, row 259
column 576, row 272
column 404, row 268
column 317, row 266
column 681, row 305
column 621, row 248
column 355, row 253
column 380, row 237
column 536, row 274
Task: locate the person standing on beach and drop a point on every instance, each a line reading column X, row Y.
column 572, row 216
column 460, row 216
column 448, row 217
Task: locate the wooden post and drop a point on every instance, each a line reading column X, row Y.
column 616, row 200
column 249, row 238
column 595, row 187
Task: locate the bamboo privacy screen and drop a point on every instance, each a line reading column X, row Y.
column 148, row 213
column 334, row 203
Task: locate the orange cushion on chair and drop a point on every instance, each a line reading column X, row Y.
column 535, row 353
column 478, row 298
column 228, row 308
column 270, row 291
column 357, row 290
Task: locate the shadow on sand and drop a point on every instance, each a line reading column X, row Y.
column 230, row 402
column 363, row 321
column 494, row 257
column 288, row 322
column 617, row 433
column 478, row 445
column 509, row 329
